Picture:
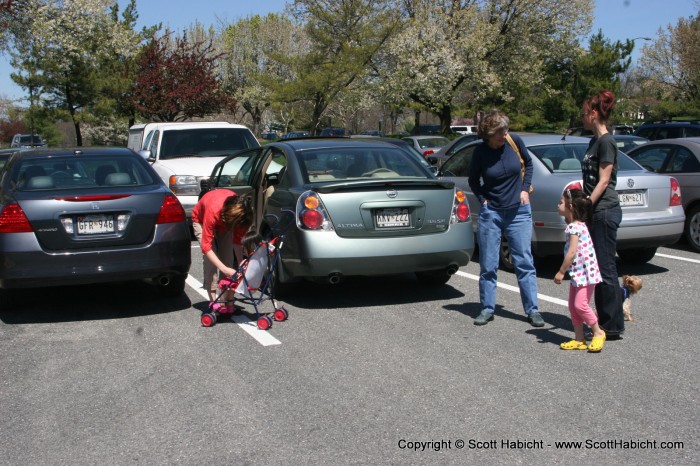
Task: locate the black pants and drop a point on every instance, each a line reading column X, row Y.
column 608, row 295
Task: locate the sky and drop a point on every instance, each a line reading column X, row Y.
column 619, row 20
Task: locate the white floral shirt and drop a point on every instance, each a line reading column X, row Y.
column 584, row 268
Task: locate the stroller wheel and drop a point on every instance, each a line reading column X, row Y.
column 264, row 323
column 281, row 314
column 208, row 319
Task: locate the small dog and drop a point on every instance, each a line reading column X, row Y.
column 631, row 284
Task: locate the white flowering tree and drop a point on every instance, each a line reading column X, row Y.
column 62, row 51
column 486, row 50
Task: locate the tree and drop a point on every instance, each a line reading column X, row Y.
column 487, row 50
column 176, row 83
column 59, row 51
column 343, row 38
column 670, row 66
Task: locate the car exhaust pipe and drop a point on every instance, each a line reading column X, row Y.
column 452, row 269
column 335, row 278
column 164, row 280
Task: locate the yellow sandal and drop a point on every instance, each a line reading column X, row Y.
column 574, row 345
column 597, row 344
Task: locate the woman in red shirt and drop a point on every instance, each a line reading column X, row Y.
column 220, row 220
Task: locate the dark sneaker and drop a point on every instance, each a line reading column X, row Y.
column 483, row 318
column 535, row 319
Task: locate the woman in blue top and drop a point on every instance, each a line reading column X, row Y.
column 503, row 191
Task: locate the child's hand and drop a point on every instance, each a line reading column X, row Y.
column 558, row 278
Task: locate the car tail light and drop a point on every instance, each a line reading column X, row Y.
column 311, row 214
column 428, row 152
column 675, row 193
column 13, row 220
column 171, row 211
column 460, row 210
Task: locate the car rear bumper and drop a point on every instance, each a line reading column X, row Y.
column 26, row 265
column 320, row 254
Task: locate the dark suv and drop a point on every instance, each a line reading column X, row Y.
column 669, row 129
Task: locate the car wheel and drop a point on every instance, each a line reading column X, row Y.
column 174, row 287
column 692, row 227
column 504, row 256
column 433, row 277
column 637, row 255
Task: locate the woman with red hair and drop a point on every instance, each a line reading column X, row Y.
column 599, row 179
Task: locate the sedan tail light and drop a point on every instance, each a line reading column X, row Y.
column 675, row 193
column 13, row 220
column 311, row 214
column 460, row 209
column 171, row 211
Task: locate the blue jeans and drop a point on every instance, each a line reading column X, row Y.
column 516, row 224
column 608, row 294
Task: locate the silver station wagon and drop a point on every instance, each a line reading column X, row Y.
column 356, row 207
column 652, row 214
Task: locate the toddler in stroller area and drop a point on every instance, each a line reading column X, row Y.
column 253, row 280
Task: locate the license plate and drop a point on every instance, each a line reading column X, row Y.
column 631, row 198
column 95, row 224
column 392, row 218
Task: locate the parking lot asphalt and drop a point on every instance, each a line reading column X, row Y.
column 372, row 371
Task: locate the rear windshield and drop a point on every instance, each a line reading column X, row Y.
column 28, row 139
column 353, row 163
column 205, row 142
column 84, row 172
column 560, row 158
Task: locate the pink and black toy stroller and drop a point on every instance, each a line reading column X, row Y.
column 252, row 283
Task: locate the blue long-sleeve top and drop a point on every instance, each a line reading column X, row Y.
column 494, row 174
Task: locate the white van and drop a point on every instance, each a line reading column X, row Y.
column 464, row 129
column 183, row 154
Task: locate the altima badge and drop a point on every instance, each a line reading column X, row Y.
column 94, row 206
column 392, row 193
column 630, row 183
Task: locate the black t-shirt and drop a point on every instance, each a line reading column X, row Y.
column 601, row 150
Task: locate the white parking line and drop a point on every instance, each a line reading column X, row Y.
column 250, row 327
column 540, row 296
column 668, row 256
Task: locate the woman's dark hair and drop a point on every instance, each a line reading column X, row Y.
column 236, row 211
column 581, row 205
column 603, row 103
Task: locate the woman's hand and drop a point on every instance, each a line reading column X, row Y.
column 524, row 197
column 228, row 271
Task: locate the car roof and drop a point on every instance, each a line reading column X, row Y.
column 321, row 142
column 42, row 153
column 677, row 141
column 536, row 139
column 192, row 125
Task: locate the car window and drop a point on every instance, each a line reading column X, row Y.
column 458, row 164
column 560, row 157
column 347, row 163
column 205, row 142
column 645, row 132
column 86, row 172
column 432, row 142
column 238, row 170
column 153, row 145
column 683, row 161
column 653, row 157
column 692, row 132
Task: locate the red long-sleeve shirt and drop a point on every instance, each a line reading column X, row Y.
column 207, row 213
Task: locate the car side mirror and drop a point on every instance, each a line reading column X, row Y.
column 146, row 154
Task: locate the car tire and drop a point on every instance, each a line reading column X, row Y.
column 637, row 255
column 174, row 288
column 692, row 228
column 433, row 277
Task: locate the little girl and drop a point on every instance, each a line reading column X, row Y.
column 580, row 261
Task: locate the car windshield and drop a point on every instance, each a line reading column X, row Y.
column 352, row 163
column 205, row 142
column 29, row 139
column 86, row 172
column 560, row 158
